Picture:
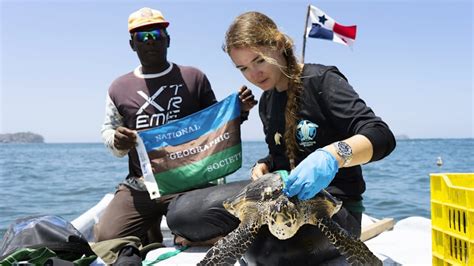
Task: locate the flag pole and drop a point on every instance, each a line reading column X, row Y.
column 305, row 32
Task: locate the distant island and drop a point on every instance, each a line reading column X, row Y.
column 21, row 137
column 401, row 137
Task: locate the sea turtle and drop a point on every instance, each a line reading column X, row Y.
column 263, row 202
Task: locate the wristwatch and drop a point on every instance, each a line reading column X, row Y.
column 345, row 151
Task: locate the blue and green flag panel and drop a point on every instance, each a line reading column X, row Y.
column 190, row 152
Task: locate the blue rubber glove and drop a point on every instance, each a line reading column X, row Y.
column 311, row 175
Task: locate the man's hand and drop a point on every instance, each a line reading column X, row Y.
column 247, row 99
column 258, row 170
column 124, row 138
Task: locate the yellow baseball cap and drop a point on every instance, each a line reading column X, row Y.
column 146, row 16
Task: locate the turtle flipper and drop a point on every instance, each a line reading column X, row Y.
column 354, row 250
column 230, row 248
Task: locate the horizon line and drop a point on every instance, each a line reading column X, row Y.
column 250, row 140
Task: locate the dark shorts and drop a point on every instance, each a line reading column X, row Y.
column 196, row 215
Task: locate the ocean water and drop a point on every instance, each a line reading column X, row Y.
column 68, row 179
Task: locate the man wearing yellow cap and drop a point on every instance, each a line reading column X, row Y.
column 155, row 93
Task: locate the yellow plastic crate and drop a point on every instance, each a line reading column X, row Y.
column 452, row 218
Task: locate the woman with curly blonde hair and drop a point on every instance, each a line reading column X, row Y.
column 315, row 126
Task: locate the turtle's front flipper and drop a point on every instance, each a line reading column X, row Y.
column 354, row 250
column 230, row 248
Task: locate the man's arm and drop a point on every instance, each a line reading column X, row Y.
column 112, row 121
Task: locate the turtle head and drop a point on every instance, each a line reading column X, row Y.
column 282, row 220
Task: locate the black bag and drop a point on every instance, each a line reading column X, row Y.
column 49, row 231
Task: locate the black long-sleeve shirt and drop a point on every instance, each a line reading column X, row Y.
column 330, row 110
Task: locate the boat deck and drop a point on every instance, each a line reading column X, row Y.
column 408, row 243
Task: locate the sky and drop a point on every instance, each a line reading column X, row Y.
column 412, row 61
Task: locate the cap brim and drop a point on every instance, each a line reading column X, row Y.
column 162, row 24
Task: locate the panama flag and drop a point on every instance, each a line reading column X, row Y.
column 324, row 27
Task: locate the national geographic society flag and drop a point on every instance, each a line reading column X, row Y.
column 189, row 152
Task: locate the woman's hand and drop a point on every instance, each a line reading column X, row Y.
column 258, row 170
column 247, row 99
column 311, row 175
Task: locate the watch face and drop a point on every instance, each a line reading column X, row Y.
column 344, row 148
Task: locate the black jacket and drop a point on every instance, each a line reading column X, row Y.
column 333, row 111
